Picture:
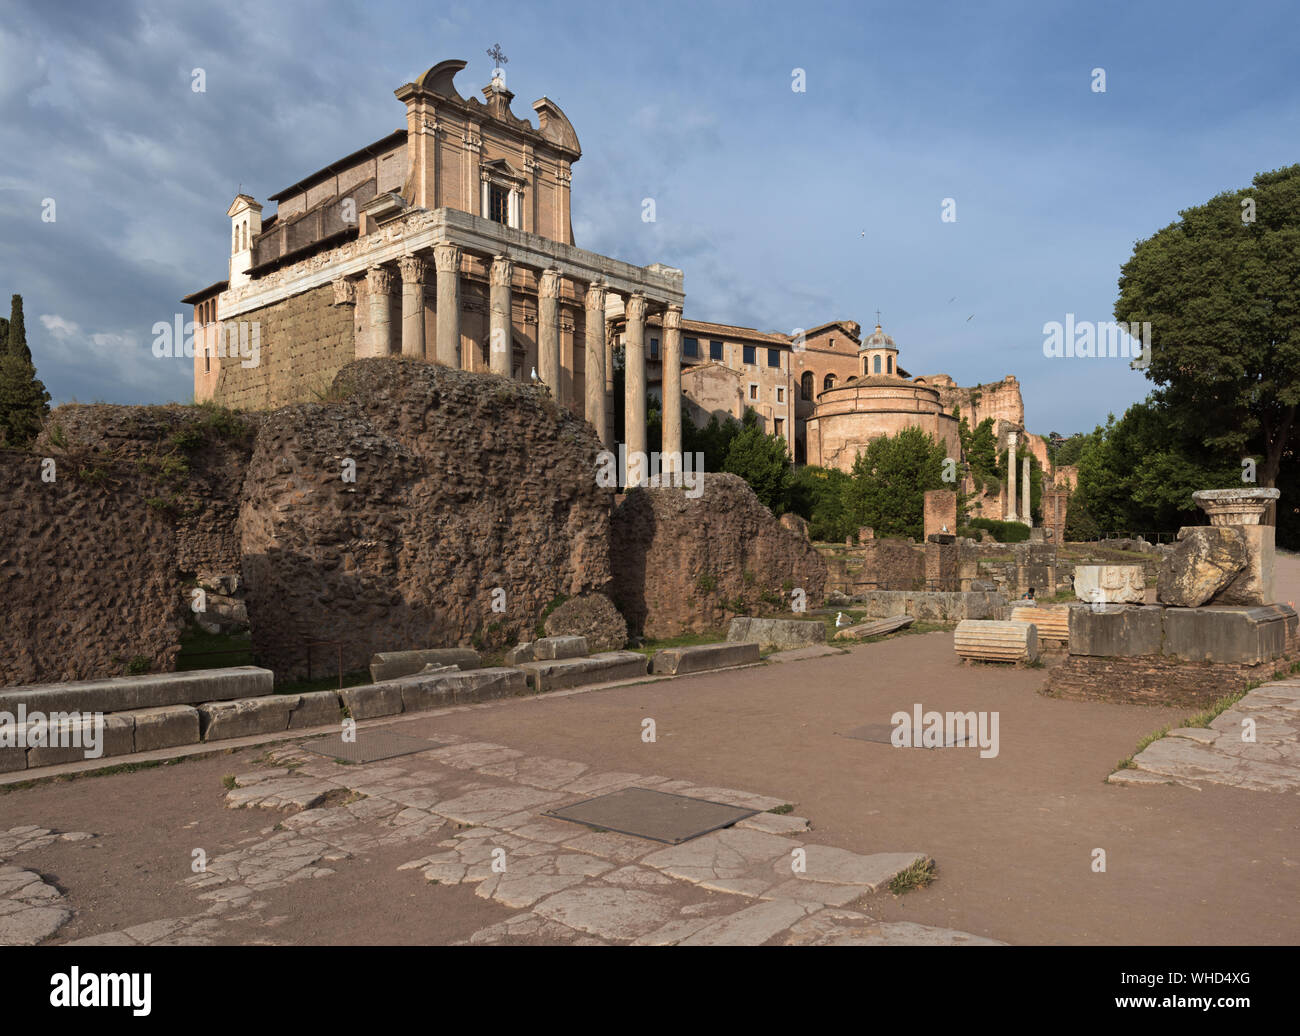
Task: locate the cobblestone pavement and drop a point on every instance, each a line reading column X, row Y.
column 470, row 811
column 1220, row 754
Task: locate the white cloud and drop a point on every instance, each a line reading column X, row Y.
column 58, row 326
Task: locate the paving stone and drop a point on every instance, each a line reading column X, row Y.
column 835, row 866
column 775, row 823
column 608, row 913
column 609, row 844
column 730, row 860
column 849, row 928
column 483, row 807
column 752, row 926
column 1201, row 734
column 471, row 755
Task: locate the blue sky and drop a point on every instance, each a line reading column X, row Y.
column 784, row 209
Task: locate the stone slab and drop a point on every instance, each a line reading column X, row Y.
column 381, row 699
column 934, row 605
column 118, row 738
column 551, row 648
column 776, row 633
column 392, row 665
column 698, row 658
column 165, row 727
column 243, row 717
column 576, row 672
column 119, row 694
column 315, row 709
column 1227, row 634
column 875, row 629
column 1110, row 584
column 520, row 653
column 1117, row 630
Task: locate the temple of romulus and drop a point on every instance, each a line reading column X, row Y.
column 449, row 241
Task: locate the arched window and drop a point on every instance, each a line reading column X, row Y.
column 806, row 385
column 234, row 244
column 829, row 383
column 889, row 365
column 245, row 235
column 875, row 364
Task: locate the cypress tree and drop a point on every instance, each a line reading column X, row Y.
column 24, row 402
column 17, row 343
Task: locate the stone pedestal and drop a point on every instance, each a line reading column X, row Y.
column 1244, row 510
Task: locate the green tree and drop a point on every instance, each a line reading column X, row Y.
column 1221, row 290
column 15, row 341
column 818, row 495
column 23, row 402
column 763, row 461
column 890, row 480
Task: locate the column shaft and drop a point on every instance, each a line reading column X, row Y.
column 634, row 409
column 412, row 306
column 672, row 390
column 595, row 360
column 1026, row 509
column 447, row 258
column 548, row 331
column 378, row 285
column 500, row 337
column 1011, row 477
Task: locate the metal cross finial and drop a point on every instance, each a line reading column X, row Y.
column 497, row 55
column 877, row 318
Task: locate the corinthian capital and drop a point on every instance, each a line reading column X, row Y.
column 446, row 257
column 673, row 316
column 635, row 307
column 378, row 280
column 345, row 292
column 596, row 296
column 502, row 271
column 413, row 269
column 549, row 285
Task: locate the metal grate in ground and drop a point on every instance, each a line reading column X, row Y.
column 656, row 815
column 370, row 746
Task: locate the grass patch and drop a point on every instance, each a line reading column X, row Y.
column 649, row 647
column 782, row 810
column 323, row 683
column 228, row 782
column 917, row 876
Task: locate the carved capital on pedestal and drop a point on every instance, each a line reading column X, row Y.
column 378, row 280
column 413, row 269
column 596, row 296
column 502, row 271
column 672, row 317
column 634, row 307
column 345, row 292
column 548, row 286
column 446, row 257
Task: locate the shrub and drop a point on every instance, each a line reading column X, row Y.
column 1003, row 532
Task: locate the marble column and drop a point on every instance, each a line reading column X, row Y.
column 548, row 331
column 500, row 337
column 446, row 257
column 1011, row 477
column 1026, row 509
column 634, row 431
column 413, row 269
column 672, row 390
column 594, row 333
column 378, row 284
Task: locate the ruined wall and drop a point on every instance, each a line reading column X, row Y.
column 304, row 341
column 1000, row 400
column 884, row 564
column 683, row 564
column 465, row 483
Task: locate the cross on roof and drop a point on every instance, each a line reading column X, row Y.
column 497, row 55
column 877, row 317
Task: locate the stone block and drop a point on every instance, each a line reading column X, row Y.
column 1110, row 584
column 990, row 640
column 426, row 691
column 316, row 709
column 520, row 653
column 116, row 738
column 381, row 699
column 392, row 665
column 245, row 717
column 1053, row 622
column 490, row 685
column 1221, row 633
column 123, row 693
column 700, row 657
column 577, row 672
column 165, row 727
column 1255, row 584
column 1206, row 559
column 778, row 633
column 13, row 759
column 1116, row 630
column 550, row 648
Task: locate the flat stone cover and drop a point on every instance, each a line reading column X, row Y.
column 883, row 732
column 656, row 815
column 370, row 746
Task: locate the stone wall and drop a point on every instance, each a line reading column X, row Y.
column 885, row 564
column 465, row 484
column 683, row 564
column 304, row 341
column 1154, row 680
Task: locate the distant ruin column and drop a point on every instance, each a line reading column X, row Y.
column 500, row 344
column 548, row 330
column 634, row 430
column 413, row 269
column 446, row 257
column 378, row 284
column 1011, row 477
column 595, row 369
column 672, row 390
column 1026, row 509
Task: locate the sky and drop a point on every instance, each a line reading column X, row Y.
column 785, row 207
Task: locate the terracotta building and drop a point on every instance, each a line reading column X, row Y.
column 449, row 240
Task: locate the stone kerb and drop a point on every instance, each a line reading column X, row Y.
column 390, row 665
column 119, row 694
column 559, row 674
column 776, row 633
column 702, row 657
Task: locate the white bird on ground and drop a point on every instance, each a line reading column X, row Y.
column 842, row 620
column 536, row 379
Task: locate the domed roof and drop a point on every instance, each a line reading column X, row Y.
column 877, row 340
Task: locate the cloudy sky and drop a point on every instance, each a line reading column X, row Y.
column 784, row 208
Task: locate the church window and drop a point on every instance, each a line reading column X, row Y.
column 715, row 351
column 499, row 204
column 875, row 366
column 829, row 383
column 806, row 385
column 750, row 356
column 691, row 347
